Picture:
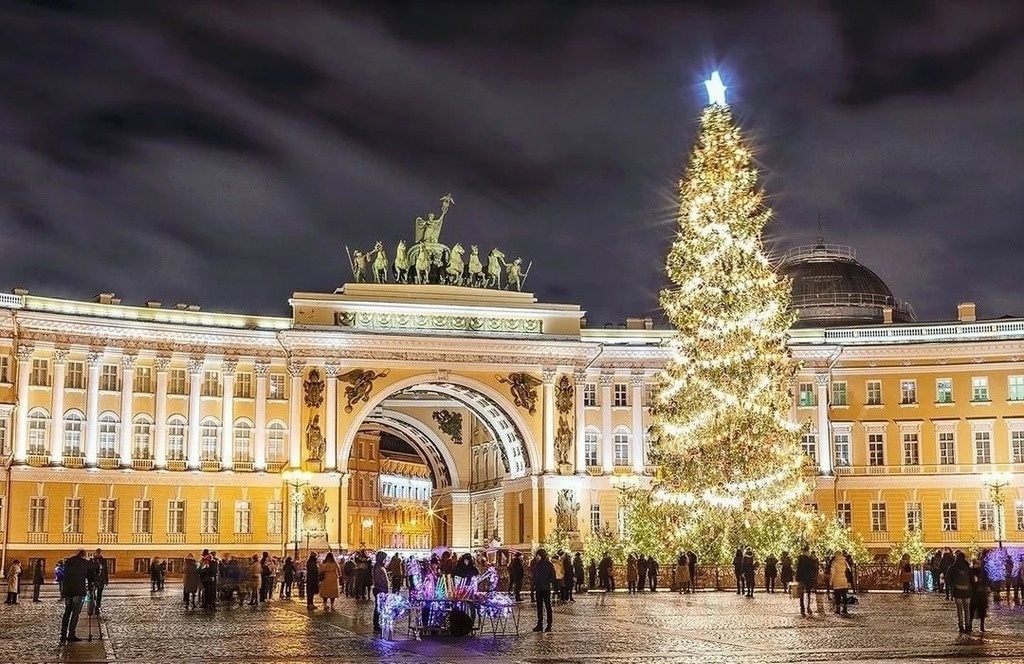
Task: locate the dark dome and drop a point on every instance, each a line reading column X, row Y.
column 830, row 288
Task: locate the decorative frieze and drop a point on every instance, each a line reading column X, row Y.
column 361, row 320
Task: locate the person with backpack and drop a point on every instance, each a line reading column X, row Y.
column 958, row 583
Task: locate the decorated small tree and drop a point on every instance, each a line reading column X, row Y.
column 912, row 545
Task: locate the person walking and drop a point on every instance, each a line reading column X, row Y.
column 381, row 585
column 980, row 589
column 806, row 578
column 652, row 573
column 906, row 573
column 840, row 583
column 13, row 582
column 37, row 579
column 100, row 581
column 312, row 579
column 958, row 584
column 785, row 570
column 691, row 558
column 330, row 579
column 74, row 586
column 737, row 568
column 516, row 572
column 771, row 572
column 683, row 574
column 543, row 579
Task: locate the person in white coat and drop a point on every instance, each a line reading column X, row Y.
column 840, row 582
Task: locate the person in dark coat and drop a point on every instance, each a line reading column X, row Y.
column 980, row 589
column 516, row 572
column 652, row 573
column 958, row 584
column 771, row 572
column 737, row 568
column 691, row 558
column 606, row 572
column 102, row 578
column 785, row 570
column 190, row 582
column 312, row 579
column 807, row 577
column 543, row 579
column 592, row 574
column 78, row 573
column 578, row 572
column 945, row 563
column 37, row 580
column 641, row 573
column 749, row 566
column 288, row 570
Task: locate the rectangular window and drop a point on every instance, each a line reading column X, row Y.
column 621, row 442
column 1017, row 445
column 5, row 368
column 108, row 515
column 142, row 517
column 590, row 448
column 144, row 380
column 72, row 515
column 109, row 378
column 806, row 398
column 590, row 394
column 243, row 517
column 982, row 447
column 275, row 442
column 74, row 376
column 844, row 514
column 839, row 396
column 176, row 440
column 211, row 384
column 1018, row 510
column 275, row 517
column 947, row 448
column 276, row 387
column 874, row 393
column 1016, row 388
column 209, row 517
column 914, row 516
column 619, row 395
column 950, row 518
column 40, row 374
column 649, row 394
column 876, row 449
column 175, row 517
column 841, row 443
column 37, row 514
column 979, row 388
column 879, row 518
column 908, row 391
column 809, row 446
column 986, row 516
column 944, row 390
column 4, row 445
column 177, row 382
column 911, row 449
column 243, row 385
column 595, row 518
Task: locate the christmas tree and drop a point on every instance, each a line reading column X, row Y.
column 731, row 465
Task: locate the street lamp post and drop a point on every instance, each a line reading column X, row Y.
column 996, row 482
column 297, row 480
column 368, row 524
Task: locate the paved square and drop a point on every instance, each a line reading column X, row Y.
column 662, row 628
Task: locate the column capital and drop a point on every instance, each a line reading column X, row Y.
column 638, row 379
column 606, row 379
column 296, row 367
column 261, row 368
column 821, row 379
column 579, row 378
column 162, row 364
column 332, row 369
column 128, row 362
column 196, row 365
column 60, row 355
column 548, row 376
column 24, row 352
column 95, row 359
column 229, row 366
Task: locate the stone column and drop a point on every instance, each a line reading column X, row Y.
column 460, row 529
column 127, row 408
column 262, row 370
column 607, row 448
column 638, row 422
column 59, row 360
column 580, row 380
column 331, row 371
column 824, row 430
column 295, row 370
column 343, row 512
column 24, row 357
column 161, row 366
column 92, row 409
column 227, row 414
column 549, row 421
column 195, row 409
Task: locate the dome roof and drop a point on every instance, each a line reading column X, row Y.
column 831, row 288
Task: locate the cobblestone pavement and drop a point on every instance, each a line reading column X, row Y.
column 650, row 629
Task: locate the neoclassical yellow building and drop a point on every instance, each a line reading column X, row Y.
column 407, row 416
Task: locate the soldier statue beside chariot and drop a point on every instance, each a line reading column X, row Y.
column 429, row 261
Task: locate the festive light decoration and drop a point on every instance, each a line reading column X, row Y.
column 731, row 465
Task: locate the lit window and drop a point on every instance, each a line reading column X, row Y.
column 142, row 517
column 109, row 426
column 1016, row 388
column 142, row 434
column 275, row 442
column 595, row 518
column 275, row 517
column 944, row 390
column 590, row 448
column 908, row 392
column 947, row 448
column 809, row 446
column 879, row 519
column 914, row 519
column 839, row 396
column 979, row 388
column 176, row 431
column 876, row 449
column 243, row 517
column 209, row 517
column 209, row 440
column 911, row 449
column 874, row 391
column 806, row 398
column 841, row 445
column 276, row 385
column 74, row 424
column 243, row 442
column 950, row 517
column 1018, row 509
column 621, row 442
column 982, row 447
column 844, row 514
column 986, row 516
column 38, row 430
column 176, row 517
column 1017, row 445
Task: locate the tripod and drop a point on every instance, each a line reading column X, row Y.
column 92, row 613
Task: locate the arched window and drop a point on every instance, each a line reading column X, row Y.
column 275, row 442
column 74, row 425
column 243, row 441
column 209, row 440
column 591, row 447
column 177, row 426
column 142, row 438
column 109, row 427
column 620, row 442
column 38, row 428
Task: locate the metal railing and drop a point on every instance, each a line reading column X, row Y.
column 953, row 331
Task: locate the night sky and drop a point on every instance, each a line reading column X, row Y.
column 224, row 153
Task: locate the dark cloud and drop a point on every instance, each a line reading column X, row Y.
column 226, row 153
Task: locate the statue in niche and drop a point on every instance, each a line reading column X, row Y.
column 563, row 441
column 315, row 443
column 450, row 423
column 523, row 388
column 314, row 511
column 313, row 388
column 567, row 511
column 360, row 385
column 564, row 393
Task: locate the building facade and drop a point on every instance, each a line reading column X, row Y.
column 424, row 415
